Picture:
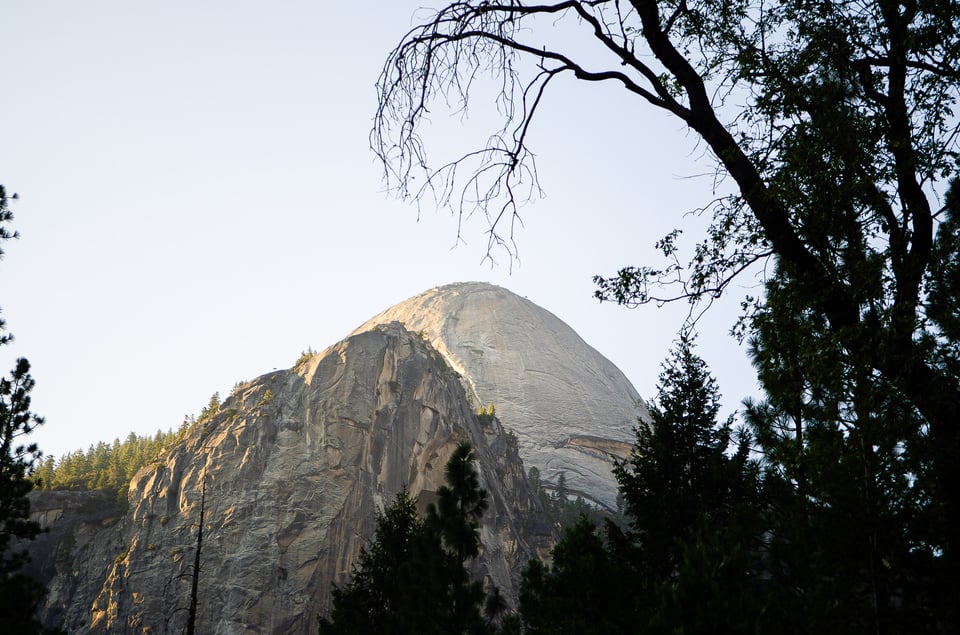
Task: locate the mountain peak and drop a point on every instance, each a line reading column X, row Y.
column 570, row 407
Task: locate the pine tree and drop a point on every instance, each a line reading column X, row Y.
column 856, row 529
column 585, row 590
column 398, row 584
column 686, row 561
column 411, row 577
column 20, row 596
column 460, row 504
column 678, row 474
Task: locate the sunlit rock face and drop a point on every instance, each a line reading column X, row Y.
column 290, row 474
column 569, row 406
column 291, row 471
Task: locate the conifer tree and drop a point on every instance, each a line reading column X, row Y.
column 678, row 474
column 856, row 528
column 460, row 504
column 585, row 590
column 20, row 596
column 835, row 123
column 685, row 562
column 411, row 577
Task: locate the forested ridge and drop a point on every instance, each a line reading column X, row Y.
column 105, row 466
column 109, row 467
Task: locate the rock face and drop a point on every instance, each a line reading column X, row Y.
column 291, row 472
column 78, row 527
column 570, row 407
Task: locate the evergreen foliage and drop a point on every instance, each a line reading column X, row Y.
column 460, row 505
column 106, row 467
column 398, row 584
column 109, row 467
column 679, row 475
column 488, row 413
column 582, row 592
column 211, row 409
column 855, row 519
column 836, row 125
column 683, row 564
column 20, row 596
column 304, row 359
column 411, row 577
column 562, row 509
column 823, row 517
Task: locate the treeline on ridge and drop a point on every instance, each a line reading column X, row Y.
column 109, row 467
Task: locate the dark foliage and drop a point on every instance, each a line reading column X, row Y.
column 460, row 505
column 856, row 526
column 411, row 577
column 685, row 561
column 398, row 583
column 823, row 518
column 20, row 596
column 586, row 589
column 835, row 122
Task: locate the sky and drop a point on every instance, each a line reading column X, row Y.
column 198, row 204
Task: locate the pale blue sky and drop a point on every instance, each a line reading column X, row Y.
column 198, row 204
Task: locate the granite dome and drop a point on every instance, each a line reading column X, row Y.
column 570, row 406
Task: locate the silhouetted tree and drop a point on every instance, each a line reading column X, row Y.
column 195, row 577
column 20, row 596
column 585, row 590
column 456, row 518
column 411, row 577
column 854, row 521
column 460, row 505
column 687, row 560
column 678, row 474
column 399, row 581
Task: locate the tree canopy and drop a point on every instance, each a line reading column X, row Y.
column 806, row 520
column 104, row 466
column 109, row 467
column 460, row 505
column 686, row 558
column 834, row 121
